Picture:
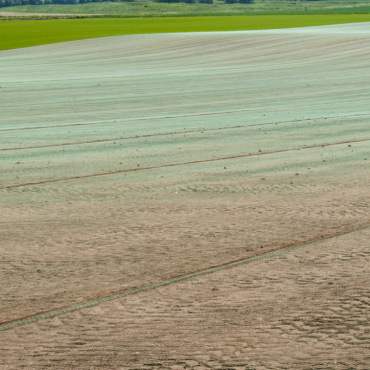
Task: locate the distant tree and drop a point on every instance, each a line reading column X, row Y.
column 206, row 1
column 230, row 1
column 245, row 1
column 171, row 1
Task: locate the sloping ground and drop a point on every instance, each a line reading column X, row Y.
column 127, row 160
column 20, row 34
column 306, row 309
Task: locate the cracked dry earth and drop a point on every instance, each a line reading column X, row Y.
column 307, row 308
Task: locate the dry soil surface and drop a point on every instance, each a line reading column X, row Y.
column 305, row 309
column 131, row 159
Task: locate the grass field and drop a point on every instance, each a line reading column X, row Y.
column 18, row 34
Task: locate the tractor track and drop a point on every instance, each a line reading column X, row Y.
column 166, row 133
column 95, row 300
column 124, row 138
column 181, row 116
column 178, row 164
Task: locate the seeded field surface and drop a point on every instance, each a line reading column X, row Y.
column 132, row 159
column 306, row 309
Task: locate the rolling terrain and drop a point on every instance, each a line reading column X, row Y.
column 134, row 159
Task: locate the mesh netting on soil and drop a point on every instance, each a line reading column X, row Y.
column 130, row 159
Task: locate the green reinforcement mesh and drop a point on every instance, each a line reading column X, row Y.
column 130, row 160
column 312, row 83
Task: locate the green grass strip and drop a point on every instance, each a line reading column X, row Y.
column 18, row 34
column 111, row 297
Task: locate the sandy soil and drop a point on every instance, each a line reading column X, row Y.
column 306, row 309
column 129, row 160
column 77, row 248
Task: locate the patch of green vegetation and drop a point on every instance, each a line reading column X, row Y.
column 153, row 8
column 17, row 34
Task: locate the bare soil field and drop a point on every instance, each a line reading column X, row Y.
column 306, row 309
column 133, row 159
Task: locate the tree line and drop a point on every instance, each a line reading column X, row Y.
column 206, row 1
column 4, row 3
column 42, row 2
column 37, row 2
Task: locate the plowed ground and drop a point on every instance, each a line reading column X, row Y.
column 129, row 160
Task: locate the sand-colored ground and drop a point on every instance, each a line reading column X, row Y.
column 306, row 309
column 77, row 248
column 129, row 160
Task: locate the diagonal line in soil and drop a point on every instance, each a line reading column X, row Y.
column 169, row 280
column 171, row 133
column 176, row 164
column 129, row 120
column 181, row 116
column 124, row 138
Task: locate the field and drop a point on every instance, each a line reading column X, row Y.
column 18, row 34
column 132, row 160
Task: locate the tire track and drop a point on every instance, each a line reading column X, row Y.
column 179, row 116
column 129, row 120
column 123, row 138
column 170, row 133
column 176, row 164
column 95, row 300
